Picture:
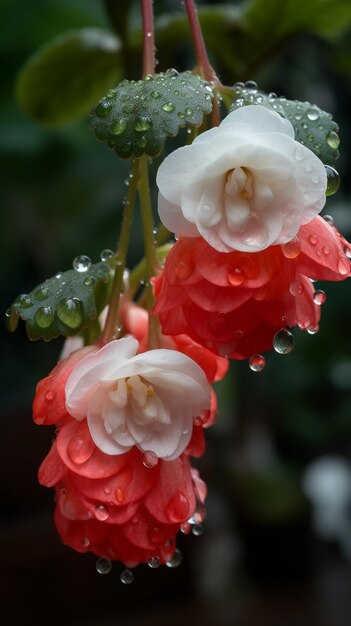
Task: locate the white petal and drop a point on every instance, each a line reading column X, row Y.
column 260, row 119
column 172, row 217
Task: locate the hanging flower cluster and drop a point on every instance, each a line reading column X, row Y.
column 132, row 397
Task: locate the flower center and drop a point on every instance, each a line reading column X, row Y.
column 139, row 403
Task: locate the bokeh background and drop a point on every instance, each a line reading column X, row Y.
column 276, row 546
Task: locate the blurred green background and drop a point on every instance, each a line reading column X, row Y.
column 62, row 195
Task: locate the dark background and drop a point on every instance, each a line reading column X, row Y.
column 260, row 560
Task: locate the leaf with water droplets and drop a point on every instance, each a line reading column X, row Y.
column 313, row 127
column 137, row 116
column 61, row 82
column 63, row 304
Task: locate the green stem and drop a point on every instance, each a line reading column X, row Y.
column 121, row 256
column 151, row 264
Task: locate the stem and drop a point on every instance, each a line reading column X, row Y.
column 150, row 250
column 121, row 256
column 148, row 37
column 200, row 49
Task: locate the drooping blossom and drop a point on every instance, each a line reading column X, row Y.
column 235, row 303
column 130, row 505
column 244, row 186
column 147, row 400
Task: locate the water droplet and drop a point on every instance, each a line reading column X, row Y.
column 127, row 577
column 313, row 239
column 329, row 219
column 105, row 255
column 333, row 140
column 343, row 266
column 85, row 542
column 89, row 280
column 23, row 301
column 81, row 263
column 257, row 362
column 283, row 341
column 154, row 562
column 119, row 495
column 185, row 528
column 236, row 276
column 69, row 312
column 142, row 123
column 168, row 107
column 250, row 84
column 308, row 167
column 312, row 114
column 176, row 559
column 184, row 268
column 44, row 317
column 326, row 250
column 239, row 86
column 49, row 396
column 101, row 512
column 313, row 330
column 315, row 179
column 119, row 126
column 103, row 566
column 103, row 108
column 188, row 111
column 128, row 108
column 333, row 180
column 319, row 297
column 347, row 252
column 178, row 507
column 150, row 459
column 300, row 153
column 292, row 249
column 42, row 293
column 296, row 288
column 80, row 449
column 197, row 530
column 155, row 95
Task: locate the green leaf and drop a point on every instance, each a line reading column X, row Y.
column 63, row 304
column 313, row 127
column 63, row 80
column 135, row 117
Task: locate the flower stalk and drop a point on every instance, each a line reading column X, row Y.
column 148, row 37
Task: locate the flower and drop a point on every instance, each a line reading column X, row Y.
column 147, row 400
column 235, row 303
column 244, row 185
column 125, row 506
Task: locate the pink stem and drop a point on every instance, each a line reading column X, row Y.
column 198, row 40
column 148, row 37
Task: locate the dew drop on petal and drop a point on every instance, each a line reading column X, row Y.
column 283, row 341
column 326, row 250
column 313, row 330
column 184, row 268
column 313, row 239
column 197, row 530
column 296, row 288
column 150, row 459
column 176, row 559
column 103, row 566
column 127, row 577
column 85, row 542
column 333, row 180
column 236, row 276
column 329, row 219
column 257, row 362
column 343, row 266
column 333, row 140
column 300, row 153
column 319, row 297
column 49, row 396
column 347, row 252
column 101, row 512
column 292, row 249
column 80, row 449
column 119, row 495
column 178, row 507
column 185, row 528
column 154, row 562
column 81, row 263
